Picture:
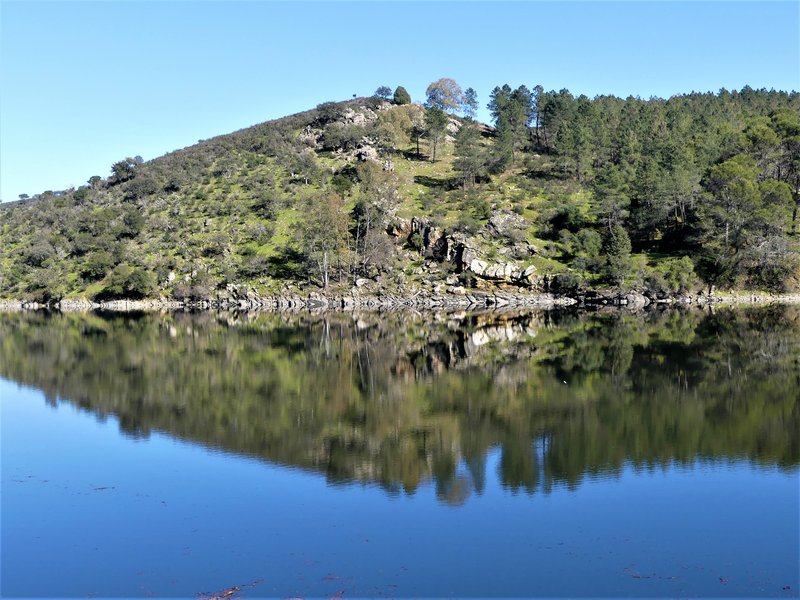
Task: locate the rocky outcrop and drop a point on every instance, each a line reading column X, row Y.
column 463, row 252
column 366, row 151
column 504, row 272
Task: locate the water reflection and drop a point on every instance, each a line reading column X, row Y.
column 400, row 399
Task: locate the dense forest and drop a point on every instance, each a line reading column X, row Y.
column 560, row 193
column 400, row 399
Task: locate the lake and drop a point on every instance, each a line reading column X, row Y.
column 495, row 454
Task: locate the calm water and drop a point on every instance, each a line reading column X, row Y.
column 399, row 455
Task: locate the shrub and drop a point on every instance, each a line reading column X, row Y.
column 568, row 217
column 141, row 187
column 678, row 274
column 127, row 282
column 566, row 283
column 96, row 265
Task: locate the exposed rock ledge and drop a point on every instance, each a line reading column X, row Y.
column 460, row 299
column 313, row 300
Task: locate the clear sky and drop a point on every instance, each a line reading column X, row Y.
column 85, row 84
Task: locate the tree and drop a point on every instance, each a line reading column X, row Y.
column 304, row 166
column 617, row 249
column 328, row 112
column 371, row 245
column 733, row 185
column 512, row 111
column 649, row 204
column 536, row 96
column 323, row 236
column 80, row 195
column 383, row 92
column 96, row 264
column 394, row 127
column 379, row 196
column 435, row 128
column 140, row 187
column 378, row 187
column 401, row 96
column 125, row 170
column 728, row 215
column 553, row 109
column 342, row 135
column 444, row 94
column 787, row 123
column 761, row 141
column 611, row 197
column 470, row 157
column 470, row 105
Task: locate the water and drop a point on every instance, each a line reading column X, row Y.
column 401, row 455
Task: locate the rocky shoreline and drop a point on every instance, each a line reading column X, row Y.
column 418, row 301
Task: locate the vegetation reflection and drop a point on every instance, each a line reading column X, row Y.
column 400, row 399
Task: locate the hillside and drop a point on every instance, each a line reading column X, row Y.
column 560, row 194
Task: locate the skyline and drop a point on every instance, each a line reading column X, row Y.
column 87, row 84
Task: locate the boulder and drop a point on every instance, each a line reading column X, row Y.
column 506, row 224
column 399, row 228
column 635, row 300
column 365, row 153
column 478, row 266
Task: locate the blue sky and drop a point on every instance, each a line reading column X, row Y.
column 85, row 84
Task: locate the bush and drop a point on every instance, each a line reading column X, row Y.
column 337, row 135
column 678, row 274
column 569, row 217
column 566, row 283
column 127, row 282
column 96, row 265
column 38, row 253
column 45, row 285
column 80, row 195
column 141, row 187
column 587, row 242
column 468, row 279
column 415, row 241
column 328, row 111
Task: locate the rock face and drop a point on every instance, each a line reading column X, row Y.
column 463, row 252
column 362, row 116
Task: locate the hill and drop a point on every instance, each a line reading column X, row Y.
column 561, row 194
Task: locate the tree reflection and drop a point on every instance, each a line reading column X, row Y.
column 401, row 399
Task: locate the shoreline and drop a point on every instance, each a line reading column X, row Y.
column 479, row 300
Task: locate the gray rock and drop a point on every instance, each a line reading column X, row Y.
column 506, row 224
column 478, row 266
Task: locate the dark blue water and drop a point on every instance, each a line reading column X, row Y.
column 89, row 510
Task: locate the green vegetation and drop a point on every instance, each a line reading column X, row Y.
column 667, row 195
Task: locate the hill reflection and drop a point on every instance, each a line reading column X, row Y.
column 401, row 399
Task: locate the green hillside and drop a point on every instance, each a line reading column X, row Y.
column 560, row 193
